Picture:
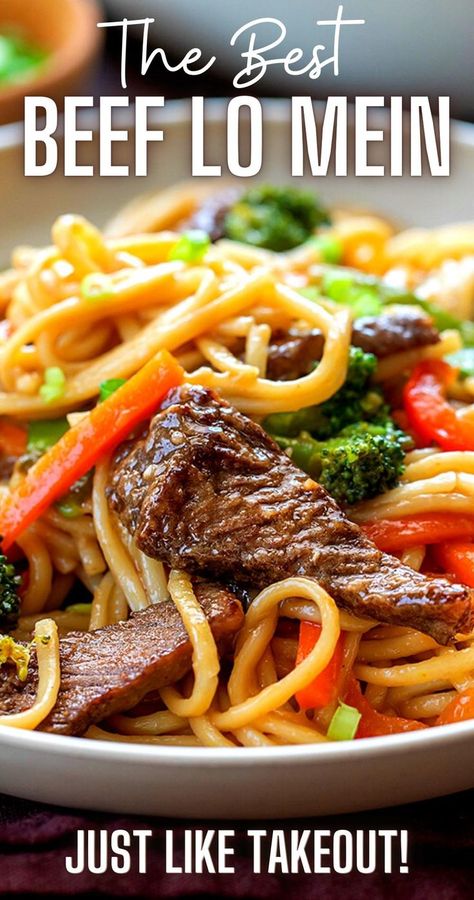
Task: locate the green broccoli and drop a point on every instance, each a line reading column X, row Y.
column 367, row 295
column 13, row 652
column 356, row 400
column 362, row 461
column 277, row 218
column 9, row 599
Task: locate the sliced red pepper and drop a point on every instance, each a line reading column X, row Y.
column 459, row 709
column 323, row 688
column 13, row 439
column 457, row 558
column 429, row 413
column 394, row 535
column 374, row 723
column 80, row 447
column 400, row 417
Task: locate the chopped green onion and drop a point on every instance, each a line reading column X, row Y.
column 70, row 509
column 70, row 505
column 83, row 609
column 304, row 451
column 19, row 59
column 54, row 384
column 191, row 247
column 442, row 319
column 44, row 433
column 311, row 292
column 467, row 333
column 329, row 247
column 107, row 388
column 96, row 286
column 464, row 361
column 344, row 723
column 363, row 299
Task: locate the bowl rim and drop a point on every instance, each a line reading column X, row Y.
column 64, row 59
column 439, row 736
column 175, row 112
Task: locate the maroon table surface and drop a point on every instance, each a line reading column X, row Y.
column 36, row 839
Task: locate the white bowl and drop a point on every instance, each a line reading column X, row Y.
column 242, row 783
column 422, row 47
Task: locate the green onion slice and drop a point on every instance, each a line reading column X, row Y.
column 329, row 247
column 344, row 723
column 107, row 388
column 54, row 384
column 44, row 433
column 191, row 247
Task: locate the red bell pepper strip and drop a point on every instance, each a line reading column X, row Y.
column 374, row 723
column 429, row 413
column 457, row 558
column 323, row 688
column 13, row 439
column 459, row 709
column 394, row 535
column 80, row 447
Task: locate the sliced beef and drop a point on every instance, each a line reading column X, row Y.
column 111, row 669
column 210, row 215
column 390, row 333
column 292, row 353
column 207, row 490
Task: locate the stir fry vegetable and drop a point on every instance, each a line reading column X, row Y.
column 19, row 59
column 457, row 558
column 18, row 654
column 373, row 723
column 323, row 688
column 277, row 218
column 459, row 709
column 362, row 461
column 54, row 384
column 191, row 247
column 396, row 535
column 44, row 433
column 12, row 439
column 344, row 723
column 357, row 400
column 9, row 598
column 80, row 447
column 429, row 413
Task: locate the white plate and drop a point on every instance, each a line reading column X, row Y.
column 250, row 783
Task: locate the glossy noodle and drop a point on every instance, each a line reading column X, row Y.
column 99, row 305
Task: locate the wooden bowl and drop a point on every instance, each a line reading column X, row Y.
column 67, row 30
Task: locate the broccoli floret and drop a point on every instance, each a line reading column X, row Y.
column 277, row 218
column 356, row 400
column 18, row 654
column 362, row 461
column 367, row 295
column 9, row 599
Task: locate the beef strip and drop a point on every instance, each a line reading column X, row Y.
column 210, row 215
column 394, row 332
column 207, row 490
column 292, row 353
column 110, row 670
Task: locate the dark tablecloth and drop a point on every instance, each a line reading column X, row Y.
column 35, row 840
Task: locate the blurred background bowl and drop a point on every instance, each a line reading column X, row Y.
column 410, row 47
column 67, row 31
